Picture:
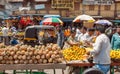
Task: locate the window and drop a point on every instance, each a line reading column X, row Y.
column 91, row 7
column 107, row 7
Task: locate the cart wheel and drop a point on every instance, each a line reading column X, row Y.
column 92, row 71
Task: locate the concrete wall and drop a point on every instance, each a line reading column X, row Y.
column 107, row 13
column 118, row 8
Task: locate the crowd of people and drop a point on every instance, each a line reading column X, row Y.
column 101, row 38
column 5, row 35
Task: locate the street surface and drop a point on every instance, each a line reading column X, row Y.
column 48, row 71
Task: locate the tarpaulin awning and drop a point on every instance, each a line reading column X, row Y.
column 54, row 16
column 115, row 21
column 67, row 19
column 2, row 14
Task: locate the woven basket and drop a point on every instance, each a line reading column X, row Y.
column 88, row 24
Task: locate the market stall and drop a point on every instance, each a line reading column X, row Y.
column 31, row 67
column 75, row 58
column 82, row 65
column 26, row 57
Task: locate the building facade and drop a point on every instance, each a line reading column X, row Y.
column 2, row 8
column 117, row 9
column 71, row 8
column 2, row 5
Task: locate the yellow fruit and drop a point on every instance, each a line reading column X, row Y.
column 74, row 53
column 115, row 54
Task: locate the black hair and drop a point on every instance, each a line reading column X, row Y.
column 118, row 26
column 84, row 28
column 114, row 29
column 5, row 26
column 91, row 29
column 101, row 29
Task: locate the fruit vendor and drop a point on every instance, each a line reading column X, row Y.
column 83, row 31
column 71, row 41
column 101, row 51
column 89, row 35
column 115, row 42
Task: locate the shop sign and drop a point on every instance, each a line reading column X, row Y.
column 63, row 4
column 24, row 8
column 98, row 2
column 40, row 6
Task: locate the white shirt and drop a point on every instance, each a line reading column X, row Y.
column 86, row 37
column 5, row 31
column 101, row 50
column 77, row 34
column 80, row 36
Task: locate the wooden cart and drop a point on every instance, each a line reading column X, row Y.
column 82, row 65
column 31, row 67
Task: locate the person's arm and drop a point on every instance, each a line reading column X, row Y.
column 63, row 38
column 112, row 42
column 96, row 47
column 71, row 42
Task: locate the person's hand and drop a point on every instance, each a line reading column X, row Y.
column 88, row 43
column 85, row 56
column 88, row 52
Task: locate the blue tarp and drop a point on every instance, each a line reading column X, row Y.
column 116, row 21
column 56, row 16
column 67, row 19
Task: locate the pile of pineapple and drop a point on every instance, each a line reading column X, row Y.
column 24, row 54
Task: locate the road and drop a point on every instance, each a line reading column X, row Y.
column 48, row 71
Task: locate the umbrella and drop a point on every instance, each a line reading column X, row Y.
column 103, row 22
column 52, row 21
column 84, row 18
